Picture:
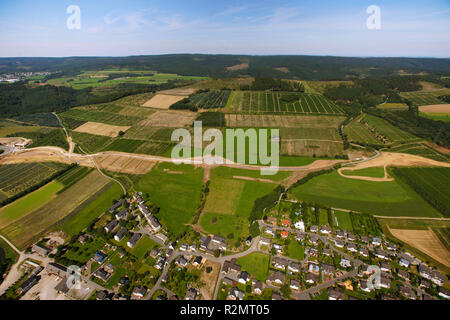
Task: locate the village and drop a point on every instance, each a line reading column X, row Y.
column 288, row 259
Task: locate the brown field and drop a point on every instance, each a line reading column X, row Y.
column 237, row 67
column 101, row 129
column 282, row 69
column 436, row 108
column 429, row 86
column 168, row 119
column 277, row 121
column 182, row 91
column 209, row 279
column 425, row 241
column 124, row 164
column 163, row 101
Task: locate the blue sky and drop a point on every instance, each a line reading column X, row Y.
column 132, row 27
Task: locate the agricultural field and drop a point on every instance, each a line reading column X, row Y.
column 15, row 178
column 387, row 198
column 92, row 208
column 39, row 119
column 166, row 180
column 436, row 116
column 321, row 86
column 111, row 118
column 281, row 102
column 431, row 183
column 425, row 241
column 342, row 220
column 393, row 134
column 393, row 106
column 374, row 172
column 171, row 118
column 101, row 129
column 29, row 227
column 129, row 165
column 359, row 133
column 210, row 99
column 231, row 197
column 163, row 101
column 107, row 78
column 256, row 264
column 423, row 98
column 90, row 143
column 421, row 149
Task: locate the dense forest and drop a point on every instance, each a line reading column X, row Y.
column 19, row 99
column 294, row 67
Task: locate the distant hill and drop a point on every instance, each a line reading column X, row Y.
column 219, row 66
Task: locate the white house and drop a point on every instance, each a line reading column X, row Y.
column 300, row 225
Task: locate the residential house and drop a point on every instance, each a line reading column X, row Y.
column 339, row 243
column 280, row 263
column 236, row 294
column 325, row 230
column 339, row 234
column 111, row 226
column 99, row 257
column 204, row 242
column 257, row 287
column 122, row 214
column 184, row 247
column 293, row 267
column 314, row 240
column 300, row 236
column 328, row 269
column 300, row 225
column 390, row 246
column 285, row 223
column 404, row 262
column 364, row 239
column 138, row 292
column 381, row 254
column 314, row 228
column 313, row 267
column 437, row 278
column 345, row 263
column 243, row 277
column 311, row 278
column 57, row 269
column 351, row 237
column 162, row 237
column 364, row 251
column 116, row 205
column 364, row 286
column 284, row 234
column 425, row 272
column 278, row 248
column 385, row 282
column 220, row 242
column 407, row 292
column 270, row 230
column 264, row 242
column 335, row 294
column 197, row 261
column 230, row 266
column 133, row 240
column 327, row 252
column 444, row 293
column 386, row 267
column 181, row 262
column 191, row 294
column 352, row 247
column 102, row 274
column 120, row 234
column 276, row 278
column 295, row 284
column 403, row 274
column 276, row 296
column 376, row 241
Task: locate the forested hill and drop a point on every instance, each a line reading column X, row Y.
column 300, row 67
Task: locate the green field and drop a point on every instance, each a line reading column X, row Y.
column 229, row 226
column 90, row 143
column 295, row 250
column 436, row 116
column 431, row 183
column 256, row 264
column 359, row 133
column 343, row 220
column 392, row 133
column 420, row 149
column 423, row 98
column 29, row 203
column 389, row 198
column 7, row 258
column 83, row 114
column 374, row 172
column 391, row 106
column 161, row 188
column 282, row 102
column 210, row 99
column 82, row 216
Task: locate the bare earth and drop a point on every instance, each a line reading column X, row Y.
column 119, row 163
column 101, row 129
column 282, row 69
column 399, row 159
column 237, row 67
column 163, row 101
column 426, row 241
column 435, row 108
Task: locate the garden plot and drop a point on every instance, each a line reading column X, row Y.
column 101, row 129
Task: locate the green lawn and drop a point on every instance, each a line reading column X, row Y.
column 177, row 195
column 257, row 264
column 225, row 225
column 29, row 203
column 83, row 218
column 144, row 245
column 295, row 250
column 389, row 198
column 344, row 220
column 374, row 172
column 323, row 217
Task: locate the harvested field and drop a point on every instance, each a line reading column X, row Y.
column 237, row 67
column 436, row 108
column 425, row 241
column 163, row 101
column 101, row 129
column 282, row 69
column 183, row 91
column 124, row 164
column 169, row 119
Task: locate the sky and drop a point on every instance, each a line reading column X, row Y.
column 303, row 27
